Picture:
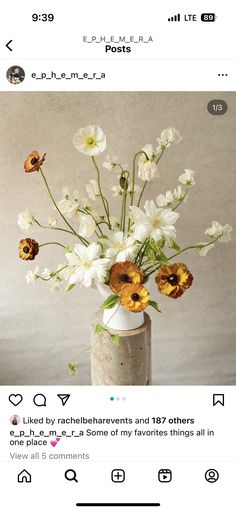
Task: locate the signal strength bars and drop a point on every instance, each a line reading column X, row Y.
column 174, row 18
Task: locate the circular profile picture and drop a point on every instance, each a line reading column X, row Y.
column 15, row 75
column 212, row 475
column 15, row 420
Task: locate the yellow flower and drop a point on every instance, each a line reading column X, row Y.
column 173, row 279
column 122, row 274
column 134, row 297
column 28, row 249
column 33, row 162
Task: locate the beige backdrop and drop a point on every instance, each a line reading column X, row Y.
column 194, row 337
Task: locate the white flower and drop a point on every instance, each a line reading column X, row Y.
column 147, row 168
column 119, row 246
column 56, row 278
column 87, row 226
column 87, row 264
column 204, row 248
column 168, row 136
column 148, row 171
column 110, row 162
column 69, row 205
column 52, row 222
column 32, row 276
column 219, row 230
column 92, row 189
column 25, row 220
column 156, row 223
column 165, row 200
column 178, row 193
column 187, row 177
column 90, row 140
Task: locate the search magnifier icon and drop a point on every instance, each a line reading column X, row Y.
column 70, row 475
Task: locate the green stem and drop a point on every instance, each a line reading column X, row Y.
column 142, row 192
column 104, row 201
column 52, row 243
column 83, row 240
column 53, row 228
column 180, row 201
column 124, row 214
column 146, row 182
column 137, row 258
column 85, row 212
column 53, row 274
column 133, row 174
column 180, row 252
column 133, row 180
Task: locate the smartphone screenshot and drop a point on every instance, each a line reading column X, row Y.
column 117, row 281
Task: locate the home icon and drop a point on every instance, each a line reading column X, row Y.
column 24, row 477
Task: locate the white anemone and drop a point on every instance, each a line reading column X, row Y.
column 88, row 267
column 90, row 140
column 155, row 223
column 119, row 246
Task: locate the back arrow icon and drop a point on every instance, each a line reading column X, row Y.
column 7, row 45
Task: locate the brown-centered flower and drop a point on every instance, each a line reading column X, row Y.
column 134, row 297
column 34, row 161
column 28, row 249
column 122, row 274
column 173, row 279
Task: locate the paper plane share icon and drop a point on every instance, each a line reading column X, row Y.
column 64, row 398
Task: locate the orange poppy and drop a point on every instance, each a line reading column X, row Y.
column 173, row 279
column 122, row 274
column 28, row 249
column 134, row 297
column 33, row 162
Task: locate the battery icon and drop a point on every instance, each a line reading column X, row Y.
column 208, row 16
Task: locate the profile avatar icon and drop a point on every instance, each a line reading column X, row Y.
column 212, row 475
column 15, row 75
column 15, row 420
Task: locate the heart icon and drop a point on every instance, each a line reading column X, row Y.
column 53, row 443
column 15, row 399
column 57, row 439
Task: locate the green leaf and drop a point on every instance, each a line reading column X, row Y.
column 116, row 339
column 72, row 368
column 69, row 287
column 174, row 246
column 100, row 328
column 154, row 305
column 150, row 253
column 153, row 244
column 110, row 302
column 162, row 258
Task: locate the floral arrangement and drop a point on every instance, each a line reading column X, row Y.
column 122, row 253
